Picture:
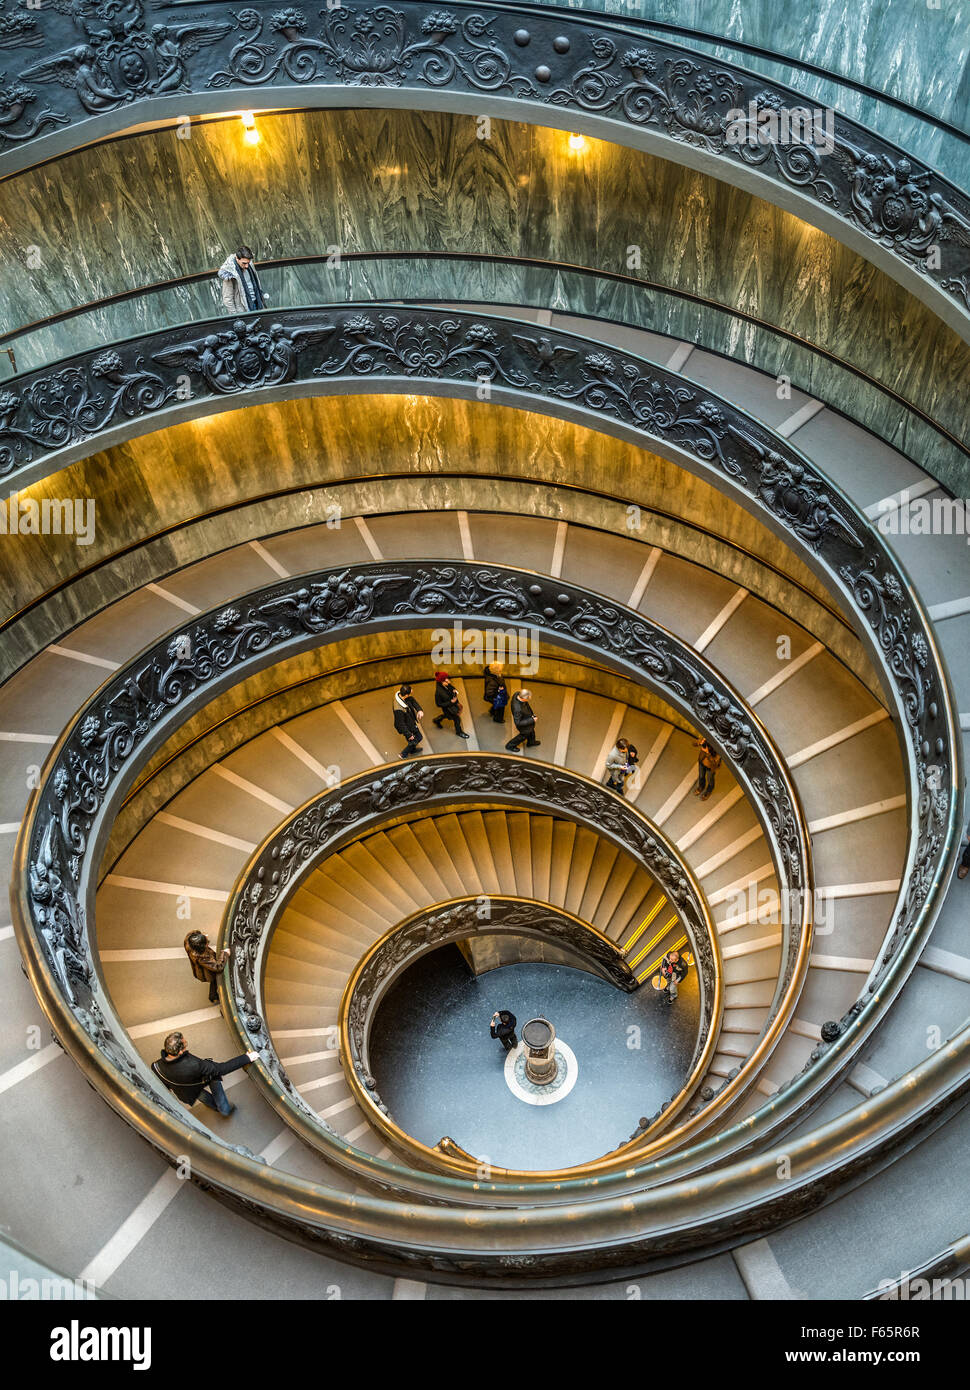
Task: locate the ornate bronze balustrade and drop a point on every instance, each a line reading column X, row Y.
column 376, row 348
column 96, row 757
column 101, row 754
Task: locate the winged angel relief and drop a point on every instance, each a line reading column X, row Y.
column 246, row 356
column 116, row 59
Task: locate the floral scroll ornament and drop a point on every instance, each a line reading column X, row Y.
column 368, row 48
column 64, row 406
column 426, row 350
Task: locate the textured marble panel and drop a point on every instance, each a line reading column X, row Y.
column 918, row 53
column 509, row 287
column 428, row 183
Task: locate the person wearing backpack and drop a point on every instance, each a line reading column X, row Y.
column 496, row 692
column 500, row 703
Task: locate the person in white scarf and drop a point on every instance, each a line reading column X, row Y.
column 239, row 283
column 407, row 712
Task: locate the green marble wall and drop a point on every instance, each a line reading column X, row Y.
column 916, row 51
column 150, row 207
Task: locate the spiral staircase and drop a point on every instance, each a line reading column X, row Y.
column 695, row 500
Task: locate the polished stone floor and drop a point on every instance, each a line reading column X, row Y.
column 440, row 1073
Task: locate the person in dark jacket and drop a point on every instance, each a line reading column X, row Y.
column 502, row 1027
column 673, row 970
column 496, row 692
column 206, row 965
column 193, row 1078
column 633, row 765
column 407, row 713
column 449, row 705
column 524, row 721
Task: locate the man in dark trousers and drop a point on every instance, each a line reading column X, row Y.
column 524, row 721
column 206, row 965
column 503, row 1028
column 449, row 705
column 193, row 1078
column 407, row 712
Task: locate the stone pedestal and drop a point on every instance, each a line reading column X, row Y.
column 539, row 1038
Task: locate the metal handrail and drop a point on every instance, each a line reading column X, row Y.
column 760, row 467
column 296, row 847
column 454, row 919
column 653, row 287
column 641, row 24
column 210, row 651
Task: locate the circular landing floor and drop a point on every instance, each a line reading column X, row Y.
column 439, row 1072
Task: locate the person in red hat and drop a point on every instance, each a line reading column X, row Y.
column 449, row 705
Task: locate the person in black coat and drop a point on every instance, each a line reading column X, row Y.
column 502, row 1027
column 496, row 692
column 193, row 1078
column 407, row 712
column 524, row 721
column 449, row 705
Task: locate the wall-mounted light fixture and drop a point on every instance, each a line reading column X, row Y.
column 577, row 143
column 250, row 133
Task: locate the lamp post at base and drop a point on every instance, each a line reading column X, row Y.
column 539, row 1038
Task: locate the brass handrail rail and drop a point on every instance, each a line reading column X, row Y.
column 354, row 1051
column 212, row 643
column 568, row 69
column 91, row 766
column 243, row 1004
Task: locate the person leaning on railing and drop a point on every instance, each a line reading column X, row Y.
column 192, row 1078
column 239, row 283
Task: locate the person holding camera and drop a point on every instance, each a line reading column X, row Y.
column 502, row 1027
column 673, row 971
